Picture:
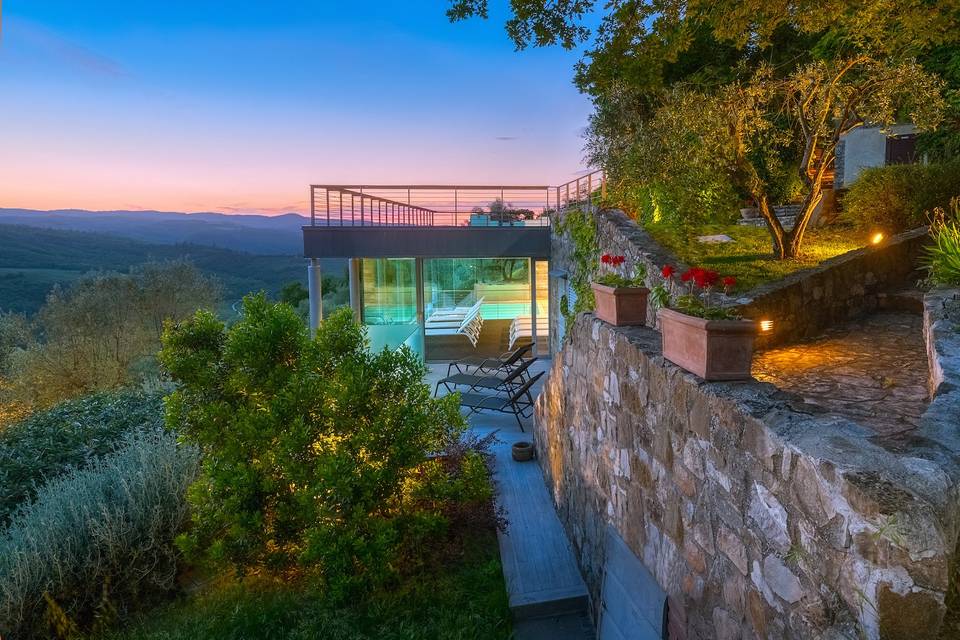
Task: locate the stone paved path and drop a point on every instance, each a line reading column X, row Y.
column 872, row 371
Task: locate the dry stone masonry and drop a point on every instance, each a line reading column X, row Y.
column 760, row 517
column 757, row 519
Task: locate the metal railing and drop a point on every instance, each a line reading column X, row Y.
column 448, row 205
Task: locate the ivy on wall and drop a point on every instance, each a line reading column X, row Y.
column 581, row 228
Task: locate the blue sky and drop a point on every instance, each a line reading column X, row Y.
column 229, row 106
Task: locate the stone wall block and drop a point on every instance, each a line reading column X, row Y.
column 770, row 517
column 811, row 494
column 730, row 545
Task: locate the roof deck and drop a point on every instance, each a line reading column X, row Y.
column 439, row 221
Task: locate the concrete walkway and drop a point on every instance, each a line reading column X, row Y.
column 548, row 598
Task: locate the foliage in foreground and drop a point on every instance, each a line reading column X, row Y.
column 943, row 256
column 67, row 437
column 460, row 598
column 96, row 541
column 897, row 198
column 314, row 451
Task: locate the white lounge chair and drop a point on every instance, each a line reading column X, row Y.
column 522, row 327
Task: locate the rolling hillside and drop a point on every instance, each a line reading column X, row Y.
column 270, row 235
column 33, row 259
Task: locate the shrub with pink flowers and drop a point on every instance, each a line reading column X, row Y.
column 695, row 294
column 613, row 273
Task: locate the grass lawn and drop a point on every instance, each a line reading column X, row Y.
column 749, row 258
column 464, row 599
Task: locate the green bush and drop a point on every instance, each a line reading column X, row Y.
column 314, row 451
column 943, row 256
column 896, row 198
column 66, row 437
column 462, row 598
column 96, row 540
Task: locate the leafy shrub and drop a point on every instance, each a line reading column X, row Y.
column 896, row 198
column 100, row 534
column 309, row 445
column 103, row 330
column 943, row 256
column 69, row 436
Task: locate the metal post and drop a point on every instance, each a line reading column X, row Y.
column 361, row 209
column 327, row 192
column 315, row 288
column 313, row 207
column 532, row 270
column 590, row 191
column 356, row 297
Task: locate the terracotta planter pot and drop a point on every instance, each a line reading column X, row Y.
column 620, row 306
column 522, row 451
column 711, row 349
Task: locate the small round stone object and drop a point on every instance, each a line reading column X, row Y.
column 522, row 451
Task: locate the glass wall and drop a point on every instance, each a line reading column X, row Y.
column 389, row 303
column 503, row 284
column 471, row 306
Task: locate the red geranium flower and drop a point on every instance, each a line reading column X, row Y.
column 605, row 258
column 705, row 278
column 667, row 271
column 728, row 282
column 687, row 275
column 619, row 260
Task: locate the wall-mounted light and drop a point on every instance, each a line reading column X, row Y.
column 766, row 326
column 877, row 238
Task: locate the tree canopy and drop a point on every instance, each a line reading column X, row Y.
column 742, row 98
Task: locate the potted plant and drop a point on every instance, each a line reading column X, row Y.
column 749, row 210
column 620, row 299
column 704, row 338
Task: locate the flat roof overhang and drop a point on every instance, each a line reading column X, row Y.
column 426, row 242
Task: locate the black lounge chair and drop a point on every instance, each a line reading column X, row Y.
column 516, row 377
column 505, row 362
column 518, row 402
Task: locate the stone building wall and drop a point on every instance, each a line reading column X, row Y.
column 758, row 518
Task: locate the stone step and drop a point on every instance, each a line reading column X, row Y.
column 907, row 300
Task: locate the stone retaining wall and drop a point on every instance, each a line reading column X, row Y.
column 758, row 518
column 801, row 305
column 617, row 234
column 805, row 303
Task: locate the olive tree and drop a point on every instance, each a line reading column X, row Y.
column 697, row 93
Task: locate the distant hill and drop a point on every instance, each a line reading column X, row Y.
column 271, row 235
column 33, row 259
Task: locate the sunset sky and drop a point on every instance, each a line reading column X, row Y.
column 193, row 105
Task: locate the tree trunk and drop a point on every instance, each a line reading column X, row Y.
column 777, row 234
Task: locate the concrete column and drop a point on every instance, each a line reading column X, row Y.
column 356, row 297
column 533, row 303
column 315, row 288
column 421, row 314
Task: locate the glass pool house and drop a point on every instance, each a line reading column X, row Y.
column 449, row 271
